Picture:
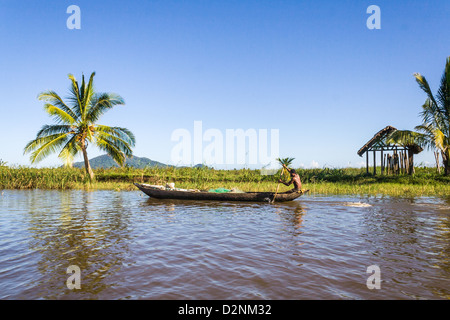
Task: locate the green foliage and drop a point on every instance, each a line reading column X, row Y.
column 46, row 178
column 286, row 161
column 426, row 181
column 434, row 132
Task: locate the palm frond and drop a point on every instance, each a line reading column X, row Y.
column 423, row 84
column 45, row 146
column 82, row 88
column 435, row 138
column 444, row 89
column 59, row 114
column 118, row 143
column 54, row 129
column 409, row 138
column 430, row 113
column 119, row 132
column 54, row 99
column 88, row 92
column 443, row 94
column 111, row 149
column 121, row 138
column 69, row 151
column 39, row 141
column 101, row 103
column 286, row 161
column 439, row 139
column 75, row 98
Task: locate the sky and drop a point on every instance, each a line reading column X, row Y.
column 312, row 70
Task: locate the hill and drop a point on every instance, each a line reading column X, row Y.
column 106, row 161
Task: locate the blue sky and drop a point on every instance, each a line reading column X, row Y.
column 311, row 69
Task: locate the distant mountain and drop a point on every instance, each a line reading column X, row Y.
column 106, row 161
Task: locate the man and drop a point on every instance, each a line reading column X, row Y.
column 295, row 179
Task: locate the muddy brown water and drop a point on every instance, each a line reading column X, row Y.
column 128, row 246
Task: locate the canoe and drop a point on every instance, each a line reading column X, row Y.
column 227, row 196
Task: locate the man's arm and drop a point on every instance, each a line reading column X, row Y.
column 285, row 183
column 287, row 169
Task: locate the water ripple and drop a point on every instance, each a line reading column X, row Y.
column 131, row 247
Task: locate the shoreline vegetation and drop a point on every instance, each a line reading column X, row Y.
column 76, row 127
column 327, row 181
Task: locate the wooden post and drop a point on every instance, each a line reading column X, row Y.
column 389, row 164
column 395, row 162
column 411, row 161
column 367, row 162
column 401, row 161
column 374, row 163
column 382, row 162
column 405, row 162
column 398, row 162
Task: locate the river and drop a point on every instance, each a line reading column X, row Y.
column 128, row 246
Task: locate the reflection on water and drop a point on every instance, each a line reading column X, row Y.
column 70, row 228
column 131, row 247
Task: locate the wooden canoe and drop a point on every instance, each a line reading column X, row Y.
column 228, row 196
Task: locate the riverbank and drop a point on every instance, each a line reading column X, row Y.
column 351, row 181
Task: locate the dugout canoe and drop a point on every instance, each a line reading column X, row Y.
column 228, row 196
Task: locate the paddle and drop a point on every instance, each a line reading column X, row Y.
column 281, row 175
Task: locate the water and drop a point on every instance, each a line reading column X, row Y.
column 131, row 247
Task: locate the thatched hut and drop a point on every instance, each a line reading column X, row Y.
column 395, row 158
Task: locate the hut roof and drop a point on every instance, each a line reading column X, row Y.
column 379, row 136
column 378, row 142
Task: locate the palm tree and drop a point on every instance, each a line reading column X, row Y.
column 286, row 161
column 434, row 132
column 76, row 126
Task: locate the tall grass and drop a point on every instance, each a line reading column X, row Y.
column 46, row 178
column 426, row 181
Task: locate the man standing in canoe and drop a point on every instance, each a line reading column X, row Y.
column 295, row 179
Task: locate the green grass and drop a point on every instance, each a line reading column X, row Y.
column 425, row 182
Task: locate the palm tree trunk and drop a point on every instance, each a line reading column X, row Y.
column 87, row 165
column 446, row 161
column 438, row 165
